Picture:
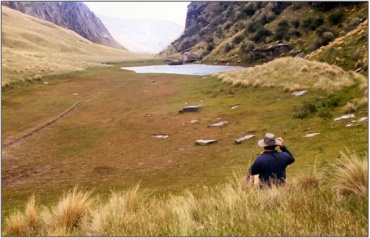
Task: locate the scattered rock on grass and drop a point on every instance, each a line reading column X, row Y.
column 311, row 134
column 299, row 93
column 235, row 106
column 345, row 117
column 190, row 109
column 240, row 140
column 205, row 142
column 160, row 136
column 217, row 124
column 362, row 119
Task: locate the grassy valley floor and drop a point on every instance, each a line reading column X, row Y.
column 105, row 142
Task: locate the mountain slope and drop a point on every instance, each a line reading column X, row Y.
column 248, row 32
column 142, row 35
column 75, row 16
column 349, row 51
column 32, row 48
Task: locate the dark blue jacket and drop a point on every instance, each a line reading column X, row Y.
column 271, row 165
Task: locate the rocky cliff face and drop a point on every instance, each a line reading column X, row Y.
column 256, row 32
column 75, row 16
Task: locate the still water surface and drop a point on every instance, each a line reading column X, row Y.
column 191, row 69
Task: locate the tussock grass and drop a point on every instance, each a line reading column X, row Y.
column 27, row 223
column 65, row 218
column 122, row 211
column 355, row 104
column 306, row 206
column 72, row 209
column 351, row 174
column 293, row 74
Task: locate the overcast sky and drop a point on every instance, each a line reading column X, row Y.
column 173, row 11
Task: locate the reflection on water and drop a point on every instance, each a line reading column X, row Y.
column 191, row 69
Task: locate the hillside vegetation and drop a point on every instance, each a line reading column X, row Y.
column 234, row 31
column 33, row 48
column 349, row 51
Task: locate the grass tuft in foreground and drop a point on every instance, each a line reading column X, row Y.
column 351, row 174
column 305, row 207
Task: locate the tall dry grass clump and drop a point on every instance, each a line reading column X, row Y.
column 288, row 71
column 351, row 174
column 122, row 214
column 304, row 207
column 66, row 218
column 27, row 223
column 356, row 103
column 72, row 209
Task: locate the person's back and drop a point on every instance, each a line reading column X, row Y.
column 271, row 164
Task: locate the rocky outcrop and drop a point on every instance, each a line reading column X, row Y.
column 75, row 16
column 175, row 62
column 188, row 57
column 271, row 52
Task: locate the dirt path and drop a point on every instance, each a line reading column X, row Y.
column 65, row 113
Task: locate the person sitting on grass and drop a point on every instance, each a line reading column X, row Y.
column 271, row 164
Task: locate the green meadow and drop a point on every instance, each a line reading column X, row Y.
column 98, row 138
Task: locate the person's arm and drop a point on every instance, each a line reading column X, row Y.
column 283, row 148
column 254, row 169
column 291, row 157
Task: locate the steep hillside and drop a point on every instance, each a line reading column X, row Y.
column 349, row 51
column 75, row 16
column 142, row 35
column 32, row 48
column 253, row 32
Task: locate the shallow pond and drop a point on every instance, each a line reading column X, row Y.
column 190, row 69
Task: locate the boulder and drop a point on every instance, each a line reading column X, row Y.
column 188, row 57
column 272, row 52
column 175, row 62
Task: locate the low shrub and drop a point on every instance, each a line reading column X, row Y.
column 321, row 106
column 336, row 18
column 237, row 39
column 261, row 35
column 228, row 47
